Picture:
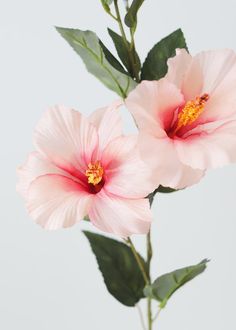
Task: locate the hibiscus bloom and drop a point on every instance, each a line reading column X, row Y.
column 188, row 119
column 86, row 167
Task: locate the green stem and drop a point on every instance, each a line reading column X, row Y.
column 122, row 30
column 131, row 48
column 139, row 261
column 149, row 300
column 149, row 313
column 157, row 315
column 113, row 16
column 132, row 38
column 146, row 274
column 141, row 316
column 149, row 253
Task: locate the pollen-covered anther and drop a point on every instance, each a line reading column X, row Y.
column 191, row 111
column 94, row 173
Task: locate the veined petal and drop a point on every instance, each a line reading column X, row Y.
column 108, row 122
column 126, row 174
column 66, row 138
column 153, row 105
column 212, row 72
column 216, row 66
column 203, row 73
column 186, row 74
column 167, row 169
column 55, row 201
column 209, row 150
column 35, row 166
column 178, row 66
column 119, row 216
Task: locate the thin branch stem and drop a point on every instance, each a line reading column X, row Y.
column 108, row 11
column 122, row 30
column 139, row 260
column 132, row 38
column 113, row 16
column 149, row 253
column 149, row 300
column 156, row 315
column 141, row 316
column 149, row 313
column 130, row 47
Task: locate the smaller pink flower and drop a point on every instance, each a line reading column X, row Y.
column 188, row 119
column 86, row 167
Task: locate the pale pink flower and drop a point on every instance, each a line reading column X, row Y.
column 188, row 119
column 86, row 167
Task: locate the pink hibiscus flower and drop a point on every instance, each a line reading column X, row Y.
column 86, row 167
column 188, row 119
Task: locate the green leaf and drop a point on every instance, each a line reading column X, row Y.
column 123, row 52
column 155, row 65
column 106, row 4
column 111, row 59
column 131, row 16
column 88, row 47
column 164, row 286
column 119, row 268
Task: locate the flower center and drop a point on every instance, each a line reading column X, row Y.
column 94, row 173
column 191, row 111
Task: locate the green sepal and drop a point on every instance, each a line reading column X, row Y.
column 165, row 190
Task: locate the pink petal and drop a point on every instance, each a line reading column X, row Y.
column 119, row 216
column 66, row 138
column 55, row 201
column 185, row 73
column 209, row 150
column 192, row 85
column 219, row 72
column 212, row 72
column 108, row 122
column 167, row 169
column 217, row 66
column 36, row 165
column 178, row 66
column 126, row 174
column 153, row 103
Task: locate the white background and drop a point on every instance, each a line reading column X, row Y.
column 49, row 280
